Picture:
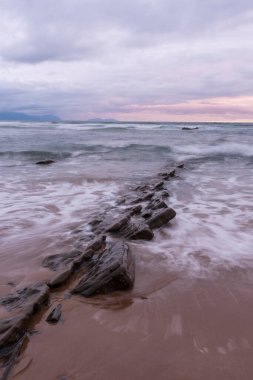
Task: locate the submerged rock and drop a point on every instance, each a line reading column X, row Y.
column 54, row 262
column 113, row 270
column 189, row 129
column 45, row 162
column 35, row 295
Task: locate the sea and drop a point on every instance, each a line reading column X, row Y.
column 41, row 206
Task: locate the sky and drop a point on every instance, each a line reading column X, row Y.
column 142, row 60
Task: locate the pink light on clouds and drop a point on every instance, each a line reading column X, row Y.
column 222, row 109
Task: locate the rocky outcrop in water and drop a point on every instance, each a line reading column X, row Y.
column 101, row 266
column 26, row 302
column 113, row 270
column 45, row 162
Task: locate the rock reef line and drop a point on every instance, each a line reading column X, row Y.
column 103, row 265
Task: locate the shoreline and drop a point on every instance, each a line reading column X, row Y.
column 145, row 210
column 174, row 323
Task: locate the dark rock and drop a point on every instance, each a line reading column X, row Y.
column 189, row 129
column 113, row 270
column 137, row 200
column 142, row 188
column 118, row 224
column 54, row 262
column 133, row 230
column 29, row 300
column 45, row 162
column 148, row 196
column 61, row 277
column 135, row 210
column 11, row 284
column 146, row 214
column 12, row 329
column 95, row 222
column 180, row 166
column 142, row 232
column 161, row 218
column 94, row 247
column 156, row 204
column 9, row 354
column 144, row 198
column 159, row 186
column 165, row 194
column 34, row 294
column 168, row 174
column 55, row 314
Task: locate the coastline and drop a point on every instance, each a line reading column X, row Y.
column 188, row 315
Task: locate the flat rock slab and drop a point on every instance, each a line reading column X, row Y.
column 55, row 262
column 113, row 270
column 29, row 300
column 30, row 295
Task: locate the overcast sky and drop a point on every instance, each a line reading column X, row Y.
column 148, row 60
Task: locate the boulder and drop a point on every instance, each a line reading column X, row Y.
column 113, row 270
column 161, row 218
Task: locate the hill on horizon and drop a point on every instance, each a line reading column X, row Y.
column 19, row 116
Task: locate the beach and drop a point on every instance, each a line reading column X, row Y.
column 188, row 315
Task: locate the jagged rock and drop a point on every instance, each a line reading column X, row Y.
column 135, row 210
column 161, row 218
column 142, row 232
column 144, row 198
column 45, row 162
column 180, row 166
column 35, row 294
column 146, row 214
column 165, row 194
column 54, row 262
column 156, row 204
column 61, row 277
column 159, row 186
column 95, row 222
column 118, row 224
column 55, row 314
column 113, row 270
column 16, row 326
column 95, row 246
column 29, row 300
column 142, row 188
column 148, row 196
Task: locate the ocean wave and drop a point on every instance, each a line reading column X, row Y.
column 222, row 150
column 35, row 155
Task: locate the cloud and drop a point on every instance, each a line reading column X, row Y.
column 83, row 57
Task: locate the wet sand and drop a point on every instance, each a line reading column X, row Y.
column 170, row 326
